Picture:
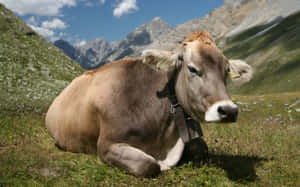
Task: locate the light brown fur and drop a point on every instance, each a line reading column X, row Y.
column 109, row 65
column 202, row 36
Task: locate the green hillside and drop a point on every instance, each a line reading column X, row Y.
column 32, row 70
column 275, row 56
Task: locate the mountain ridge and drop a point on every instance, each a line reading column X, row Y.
column 230, row 19
column 98, row 52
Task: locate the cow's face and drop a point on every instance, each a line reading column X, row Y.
column 201, row 79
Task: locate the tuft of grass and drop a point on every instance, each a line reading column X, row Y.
column 261, row 149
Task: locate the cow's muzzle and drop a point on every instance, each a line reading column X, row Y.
column 225, row 111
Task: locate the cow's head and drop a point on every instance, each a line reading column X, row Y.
column 201, row 78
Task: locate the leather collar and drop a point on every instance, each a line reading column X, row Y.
column 188, row 128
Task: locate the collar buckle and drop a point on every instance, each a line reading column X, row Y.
column 173, row 108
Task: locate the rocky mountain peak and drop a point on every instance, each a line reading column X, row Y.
column 235, row 3
column 151, row 30
column 66, row 47
column 158, row 27
column 95, row 44
column 156, row 19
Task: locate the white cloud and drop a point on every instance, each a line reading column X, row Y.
column 43, row 31
column 61, row 34
column 37, row 7
column 81, row 43
column 54, row 24
column 48, row 28
column 54, row 38
column 102, row 1
column 125, row 7
column 32, row 21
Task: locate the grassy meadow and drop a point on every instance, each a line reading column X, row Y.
column 261, row 149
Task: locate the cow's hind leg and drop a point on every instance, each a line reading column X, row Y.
column 131, row 159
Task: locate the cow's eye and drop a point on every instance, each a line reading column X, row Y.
column 228, row 69
column 194, row 70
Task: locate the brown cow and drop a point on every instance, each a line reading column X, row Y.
column 121, row 111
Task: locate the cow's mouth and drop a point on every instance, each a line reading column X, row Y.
column 222, row 111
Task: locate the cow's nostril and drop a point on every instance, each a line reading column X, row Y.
column 221, row 110
column 228, row 113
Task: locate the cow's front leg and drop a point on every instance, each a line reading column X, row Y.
column 131, row 159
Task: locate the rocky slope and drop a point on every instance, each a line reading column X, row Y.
column 267, row 11
column 75, row 54
column 95, row 51
column 32, row 70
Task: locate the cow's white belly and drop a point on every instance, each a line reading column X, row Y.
column 173, row 156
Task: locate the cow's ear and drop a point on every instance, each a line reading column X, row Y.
column 240, row 71
column 161, row 60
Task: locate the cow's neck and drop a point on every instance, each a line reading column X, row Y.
column 188, row 128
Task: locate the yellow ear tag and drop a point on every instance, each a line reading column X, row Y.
column 234, row 75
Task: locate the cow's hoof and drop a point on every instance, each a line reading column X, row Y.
column 149, row 170
column 100, row 162
column 59, row 147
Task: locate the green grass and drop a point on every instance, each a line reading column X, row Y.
column 274, row 78
column 32, row 70
column 274, row 55
column 231, row 42
column 261, row 149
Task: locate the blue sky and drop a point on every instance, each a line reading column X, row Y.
column 78, row 21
